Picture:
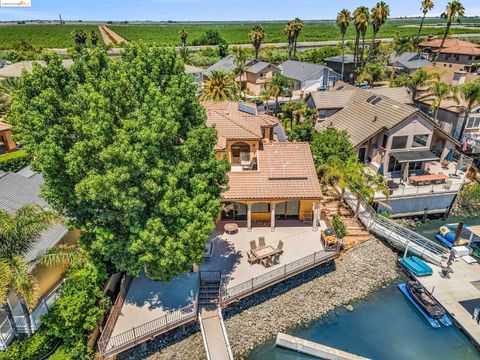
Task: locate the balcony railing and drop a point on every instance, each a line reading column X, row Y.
column 261, row 282
column 43, row 306
column 422, row 190
column 6, row 334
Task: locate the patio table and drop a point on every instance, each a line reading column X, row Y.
column 264, row 252
column 428, row 178
column 230, row 228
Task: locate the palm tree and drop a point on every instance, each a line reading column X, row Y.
column 240, row 64
column 453, row 12
column 185, row 54
column 7, row 88
column 18, row 232
column 278, row 86
column 361, row 17
column 379, row 16
column 343, row 21
column 297, row 27
column 471, row 94
column 93, row 38
column 418, row 80
column 219, row 87
column 341, row 172
column 80, row 38
column 441, row 91
column 257, row 35
column 183, row 37
column 290, row 38
column 427, row 5
column 367, row 185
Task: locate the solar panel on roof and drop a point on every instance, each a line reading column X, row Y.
column 246, row 109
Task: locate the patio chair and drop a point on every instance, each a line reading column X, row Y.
column 253, row 245
column 261, row 242
column 267, row 262
column 276, row 258
column 252, row 259
column 280, row 247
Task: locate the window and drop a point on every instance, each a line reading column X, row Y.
column 399, row 142
column 322, row 114
column 261, row 208
column 420, row 140
column 262, row 75
column 473, row 122
column 393, row 165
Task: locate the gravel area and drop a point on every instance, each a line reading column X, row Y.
column 297, row 301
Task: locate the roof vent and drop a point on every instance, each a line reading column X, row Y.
column 375, row 118
column 340, row 87
column 246, row 109
column 374, row 99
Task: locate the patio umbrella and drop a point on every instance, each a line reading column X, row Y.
column 381, row 170
column 449, row 156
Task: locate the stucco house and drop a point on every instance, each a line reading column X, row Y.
column 269, row 181
column 335, row 63
column 408, row 62
column 257, row 75
column 456, row 54
column 16, row 190
column 309, row 77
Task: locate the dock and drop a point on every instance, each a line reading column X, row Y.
column 459, row 295
column 314, row 349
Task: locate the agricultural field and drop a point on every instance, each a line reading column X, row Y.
column 40, row 35
column 238, row 33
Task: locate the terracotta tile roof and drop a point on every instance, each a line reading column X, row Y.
column 234, row 124
column 285, row 171
column 4, row 126
column 448, row 43
column 461, row 50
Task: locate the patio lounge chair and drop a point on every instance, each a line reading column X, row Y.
column 252, row 259
column 261, row 242
column 253, row 245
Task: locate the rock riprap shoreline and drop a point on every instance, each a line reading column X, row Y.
column 297, row 301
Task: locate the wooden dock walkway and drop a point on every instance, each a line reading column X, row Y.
column 215, row 340
column 314, row 349
column 459, row 294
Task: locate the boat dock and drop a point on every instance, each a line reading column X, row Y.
column 314, row 349
column 459, row 295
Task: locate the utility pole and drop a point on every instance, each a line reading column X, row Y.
column 61, row 21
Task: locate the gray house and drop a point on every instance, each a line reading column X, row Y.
column 309, row 77
column 409, row 62
column 335, row 63
column 226, row 64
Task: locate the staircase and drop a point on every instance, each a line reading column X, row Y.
column 214, row 334
column 356, row 232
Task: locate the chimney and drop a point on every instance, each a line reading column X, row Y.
column 459, row 77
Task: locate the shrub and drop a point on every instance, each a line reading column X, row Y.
column 339, row 227
column 14, row 161
column 211, row 37
column 76, row 313
column 33, row 347
column 468, row 201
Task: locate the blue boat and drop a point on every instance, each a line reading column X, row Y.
column 416, row 266
column 444, row 320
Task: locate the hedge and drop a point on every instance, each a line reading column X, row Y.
column 15, row 161
column 34, row 347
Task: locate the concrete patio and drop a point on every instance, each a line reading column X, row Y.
column 148, row 300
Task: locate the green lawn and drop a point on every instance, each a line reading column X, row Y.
column 49, row 36
column 236, row 33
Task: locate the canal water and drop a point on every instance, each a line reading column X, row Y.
column 383, row 326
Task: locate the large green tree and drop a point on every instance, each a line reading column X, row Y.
column 331, row 143
column 126, row 155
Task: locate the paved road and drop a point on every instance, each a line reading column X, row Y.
column 305, row 44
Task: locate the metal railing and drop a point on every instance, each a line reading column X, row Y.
column 43, row 306
column 422, row 190
column 137, row 335
column 396, row 234
column 6, row 333
column 261, row 282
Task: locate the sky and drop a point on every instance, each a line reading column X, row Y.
column 209, row 10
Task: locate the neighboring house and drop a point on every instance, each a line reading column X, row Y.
column 6, row 140
column 257, row 75
column 226, row 64
column 196, row 72
column 456, row 54
column 335, row 63
column 451, row 114
column 309, row 77
column 269, row 181
column 396, row 140
column 409, row 62
column 328, row 103
column 16, row 190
